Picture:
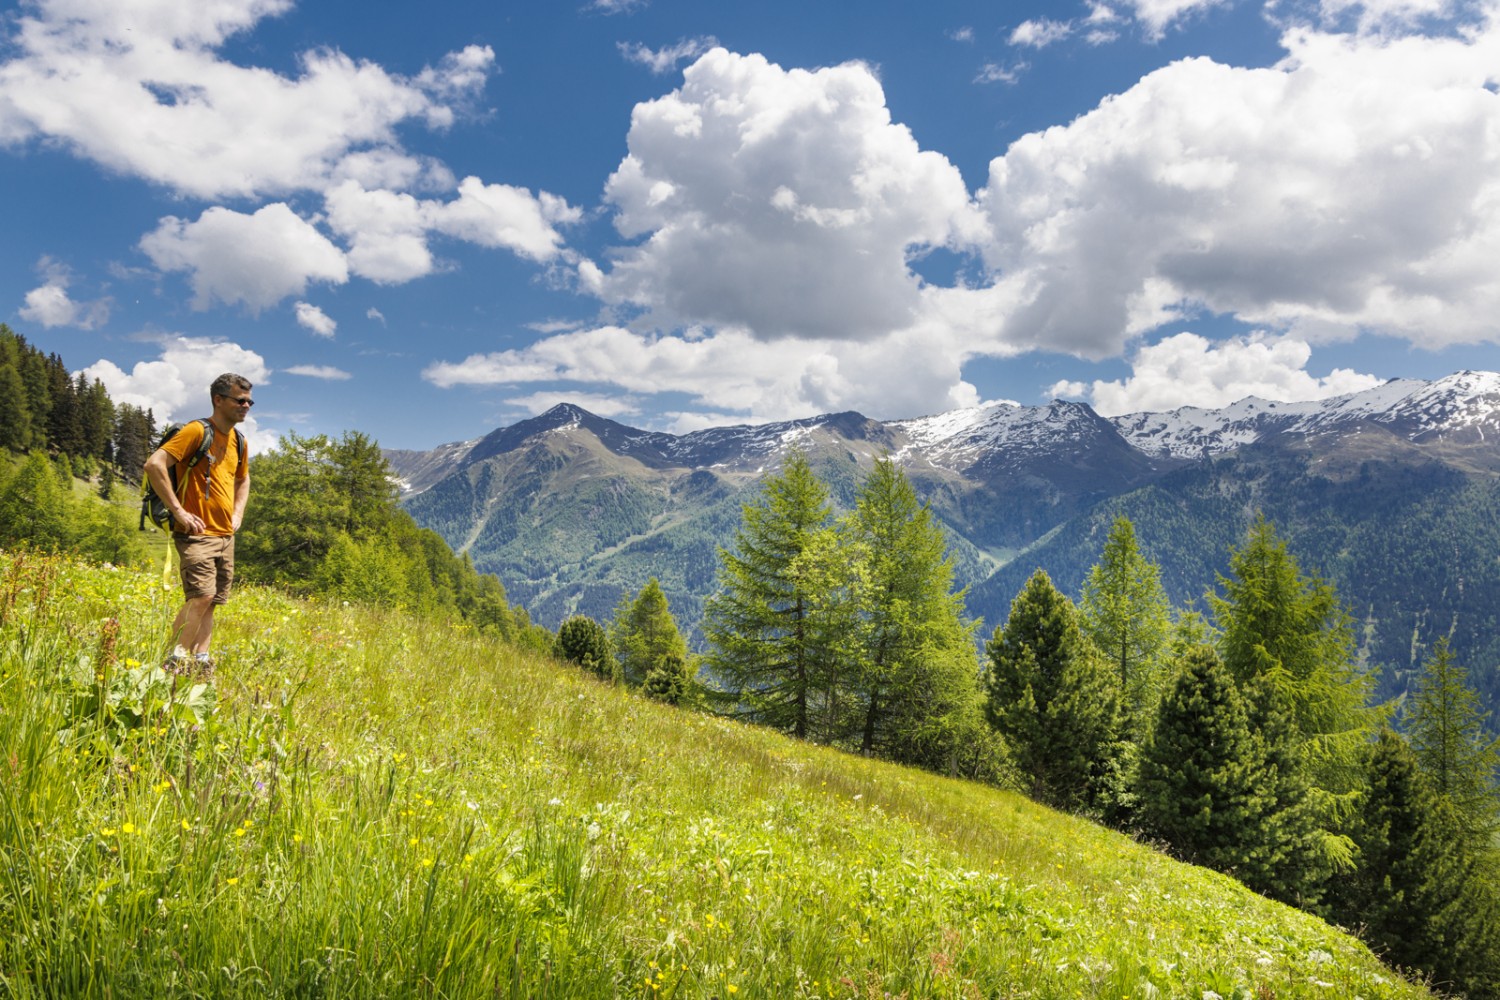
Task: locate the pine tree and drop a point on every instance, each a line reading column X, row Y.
column 1051, row 695
column 1126, row 614
column 645, row 634
column 766, row 644
column 916, row 691
column 1450, row 741
column 583, row 641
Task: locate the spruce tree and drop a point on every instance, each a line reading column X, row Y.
column 1201, row 786
column 917, row 690
column 1217, row 784
column 1419, row 893
column 1126, row 614
column 1450, row 741
column 1051, row 696
column 1285, row 633
column 766, row 644
column 645, row 633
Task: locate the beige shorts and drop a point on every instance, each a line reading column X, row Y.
column 207, row 565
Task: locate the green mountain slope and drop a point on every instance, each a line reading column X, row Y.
column 387, row 806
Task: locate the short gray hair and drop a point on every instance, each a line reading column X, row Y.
column 227, row 381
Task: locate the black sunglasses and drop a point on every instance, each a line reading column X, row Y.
column 242, row 400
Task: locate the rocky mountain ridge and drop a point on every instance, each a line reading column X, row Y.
column 1392, row 493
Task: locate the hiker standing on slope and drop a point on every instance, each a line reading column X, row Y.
column 206, row 514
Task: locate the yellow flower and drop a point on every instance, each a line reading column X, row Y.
column 239, row 831
column 427, row 862
column 186, row 825
column 107, row 832
column 296, row 838
column 731, row 988
column 127, row 828
column 234, row 881
column 413, row 842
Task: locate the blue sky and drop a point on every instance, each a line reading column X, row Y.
column 427, row 221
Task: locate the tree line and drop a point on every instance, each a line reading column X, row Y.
column 1244, row 738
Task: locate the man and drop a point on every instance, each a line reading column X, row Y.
column 206, row 514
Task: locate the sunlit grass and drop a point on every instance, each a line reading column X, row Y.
column 383, row 806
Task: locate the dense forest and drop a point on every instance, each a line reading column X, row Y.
column 1246, row 735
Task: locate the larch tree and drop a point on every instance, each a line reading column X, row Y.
column 1051, row 695
column 645, row 634
column 1126, row 613
column 1451, row 743
column 916, row 689
column 768, row 645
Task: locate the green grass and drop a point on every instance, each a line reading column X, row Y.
column 384, row 806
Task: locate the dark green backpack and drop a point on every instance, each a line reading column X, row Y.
column 153, row 508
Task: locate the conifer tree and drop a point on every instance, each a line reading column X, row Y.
column 1217, row 785
column 1286, row 634
column 917, row 690
column 1200, row 783
column 34, row 506
column 1126, row 613
column 766, row 643
column 1418, row 891
column 1451, row 743
column 669, row 679
column 1051, row 695
column 15, row 415
column 583, row 641
column 645, row 634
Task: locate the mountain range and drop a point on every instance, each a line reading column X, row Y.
column 1391, row 494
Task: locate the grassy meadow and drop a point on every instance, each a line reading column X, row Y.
column 364, row 804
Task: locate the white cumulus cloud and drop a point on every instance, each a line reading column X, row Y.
column 51, row 305
column 256, row 260
column 174, row 386
column 1353, row 187
column 780, row 202
column 310, row 317
column 1189, row 370
column 140, row 86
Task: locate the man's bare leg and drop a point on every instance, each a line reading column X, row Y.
column 193, row 628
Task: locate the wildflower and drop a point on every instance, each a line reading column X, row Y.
column 731, row 988
column 239, row 831
column 296, row 838
column 107, row 832
column 127, row 828
column 413, row 842
column 235, row 880
column 186, row 825
column 427, row 862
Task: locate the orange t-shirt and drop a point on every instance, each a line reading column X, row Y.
column 210, row 488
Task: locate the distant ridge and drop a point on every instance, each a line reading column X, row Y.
column 1393, row 494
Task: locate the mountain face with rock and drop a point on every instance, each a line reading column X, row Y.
column 1392, row 494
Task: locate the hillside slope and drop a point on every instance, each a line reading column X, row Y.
column 385, row 806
